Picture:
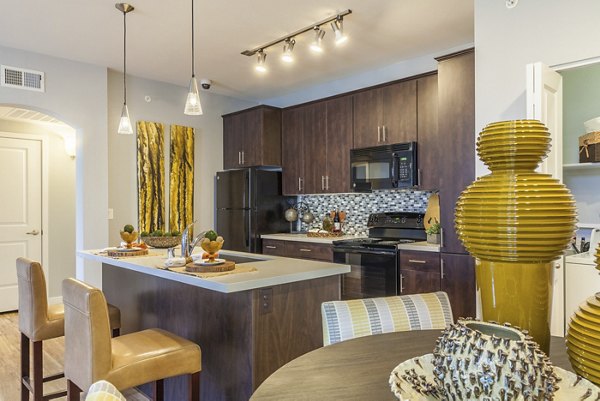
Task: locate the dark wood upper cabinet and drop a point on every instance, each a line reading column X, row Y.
column 386, row 115
column 456, row 139
column 315, row 148
column 458, row 281
column 292, row 149
column 339, row 143
column 427, row 130
column 252, row 137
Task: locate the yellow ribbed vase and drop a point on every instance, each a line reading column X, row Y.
column 583, row 337
column 515, row 222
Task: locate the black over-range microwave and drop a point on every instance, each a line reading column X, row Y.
column 384, row 167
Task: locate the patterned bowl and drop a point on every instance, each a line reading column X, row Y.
column 162, row 242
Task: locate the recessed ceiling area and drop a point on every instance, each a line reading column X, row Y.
column 380, row 33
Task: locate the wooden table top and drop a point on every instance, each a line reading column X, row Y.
column 359, row 369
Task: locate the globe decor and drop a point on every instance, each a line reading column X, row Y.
column 583, row 337
column 516, row 222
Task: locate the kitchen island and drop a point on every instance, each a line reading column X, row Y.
column 247, row 324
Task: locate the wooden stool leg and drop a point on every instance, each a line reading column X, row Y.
column 38, row 378
column 159, row 390
column 25, row 366
column 73, row 392
column 194, row 390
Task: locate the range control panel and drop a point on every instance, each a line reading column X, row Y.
column 396, row 220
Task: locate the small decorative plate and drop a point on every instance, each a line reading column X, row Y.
column 205, row 262
column 571, row 387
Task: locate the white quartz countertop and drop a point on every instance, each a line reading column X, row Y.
column 270, row 270
column 419, row 246
column 306, row 238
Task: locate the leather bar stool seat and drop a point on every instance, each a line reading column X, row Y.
column 132, row 359
column 38, row 322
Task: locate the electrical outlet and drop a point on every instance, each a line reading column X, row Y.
column 111, row 213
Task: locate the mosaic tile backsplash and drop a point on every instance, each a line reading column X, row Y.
column 358, row 206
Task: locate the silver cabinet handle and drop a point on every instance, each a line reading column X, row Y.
column 305, row 250
column 417, row 261
column 270, row 247
column 418, row 177
column 383, row 128
column 322, row 182
column 34, row 232
column 442, row 269
column 239, row 157
column 441, row 238
column 401, row 284
column 243, row 157
column 299, row 184
column 327, row 182
column 378, row 134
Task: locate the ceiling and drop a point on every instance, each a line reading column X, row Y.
column 381, row 32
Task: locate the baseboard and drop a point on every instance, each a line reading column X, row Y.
column 55, row 300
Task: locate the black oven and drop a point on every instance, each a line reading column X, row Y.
column 384, row 167
column 373, row 272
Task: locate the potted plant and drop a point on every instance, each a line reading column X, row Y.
column 433, row 233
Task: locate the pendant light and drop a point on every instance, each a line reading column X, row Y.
column 192, row 104
column 125, row 123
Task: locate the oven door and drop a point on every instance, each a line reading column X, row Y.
column 373, row 272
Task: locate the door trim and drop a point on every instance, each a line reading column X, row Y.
column 43, row 139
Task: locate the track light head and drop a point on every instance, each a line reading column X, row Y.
column 260, row 61
column 338, row 30
column 288, row 47
column 317, row 45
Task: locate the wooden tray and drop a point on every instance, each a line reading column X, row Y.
column 223, row 267
column 124, row 254
column 324, row 235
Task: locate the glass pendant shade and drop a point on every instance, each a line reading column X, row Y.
column 192, row 104
column 125, row 127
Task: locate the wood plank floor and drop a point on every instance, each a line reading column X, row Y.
column 53, row 362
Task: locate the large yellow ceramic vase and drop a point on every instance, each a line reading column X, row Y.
column 583, row 336
column 516, row 222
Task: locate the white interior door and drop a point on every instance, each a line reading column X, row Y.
column 544, row 103
column 20, row 211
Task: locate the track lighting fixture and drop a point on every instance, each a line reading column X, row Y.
column 192, row 103
column 288, row 41
column 125, row 126
column 511, row 3
column 338, row 30
column 317, row 44
column 288, row 47
column 260, row 62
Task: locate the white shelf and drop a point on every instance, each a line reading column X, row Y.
column 581, row 166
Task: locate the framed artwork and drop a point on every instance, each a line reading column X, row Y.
column 151, row 176
column 181, row 180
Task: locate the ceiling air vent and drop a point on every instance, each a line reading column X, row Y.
column 21, row 78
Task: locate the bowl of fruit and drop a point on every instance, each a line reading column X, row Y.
column 129, row 235
column 211, row 244
column 160, row 239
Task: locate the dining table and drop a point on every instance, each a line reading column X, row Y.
column 359, row 369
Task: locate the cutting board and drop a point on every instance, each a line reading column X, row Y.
column 223, row 267
column 432, row 214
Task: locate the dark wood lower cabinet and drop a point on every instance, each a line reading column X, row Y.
column 298, row 249
column 245, row 336
column 419, row 272
column 458, row 281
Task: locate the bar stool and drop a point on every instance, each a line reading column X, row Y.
column 126, row 361
column 38, row 322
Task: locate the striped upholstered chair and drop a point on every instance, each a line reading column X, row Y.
column 344, row 320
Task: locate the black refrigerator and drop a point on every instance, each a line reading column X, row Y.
column 249, row 203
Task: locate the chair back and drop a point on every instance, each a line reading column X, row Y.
column 33, row 301
column 88, row 353
column 344, row 320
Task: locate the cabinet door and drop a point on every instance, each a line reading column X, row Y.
column 458, row 281
column 456, row 139
column 251, row 137
column 399, row 112
column 292, row 151
column 315, row 148
column 368, row 116
column 270, row 149
column 339, row 143
column 427, row 132
column 232, row 146
column 419, row 272
column 309, row 250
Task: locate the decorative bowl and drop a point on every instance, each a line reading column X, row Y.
column 212, row 248
column 162, row 242
column 129, row 237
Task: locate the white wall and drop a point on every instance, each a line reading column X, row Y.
column 551, row 31
column 60, row 232
column 166, row 106
column 76, row 94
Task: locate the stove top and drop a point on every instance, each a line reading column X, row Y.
column 372, row 243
